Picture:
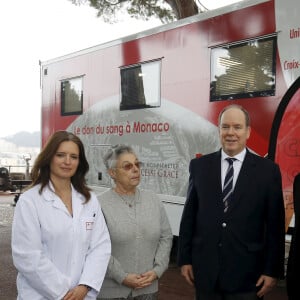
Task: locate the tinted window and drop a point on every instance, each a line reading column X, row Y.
column 140, row 85
column 71, row 96
column 243, row 70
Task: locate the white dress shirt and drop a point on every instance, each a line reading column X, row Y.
column 237, row 164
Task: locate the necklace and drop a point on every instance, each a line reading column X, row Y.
column 66, row 199
column 129, row 200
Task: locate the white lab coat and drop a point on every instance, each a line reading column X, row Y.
column 53, row 251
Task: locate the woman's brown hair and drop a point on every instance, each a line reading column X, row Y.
column 40, row 173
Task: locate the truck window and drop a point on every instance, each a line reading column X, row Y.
column 71, row 96
column 140, row 85
column 243, row 70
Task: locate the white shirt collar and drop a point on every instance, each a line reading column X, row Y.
column 240, row 156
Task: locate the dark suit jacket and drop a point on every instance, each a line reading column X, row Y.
column 293, row 268
column 235, row 248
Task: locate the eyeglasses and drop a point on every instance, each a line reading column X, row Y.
column 127, row 166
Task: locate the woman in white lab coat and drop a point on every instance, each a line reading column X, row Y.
column 60, row 242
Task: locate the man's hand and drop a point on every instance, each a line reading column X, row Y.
column 187, row 273
column 267, row 283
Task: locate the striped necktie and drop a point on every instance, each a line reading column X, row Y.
column 228, row 184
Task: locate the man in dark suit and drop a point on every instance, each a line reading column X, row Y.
column 293, row 267
column 231, row 247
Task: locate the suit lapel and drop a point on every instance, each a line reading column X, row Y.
column 214, row 172
column 246, row 174
column 215, row 177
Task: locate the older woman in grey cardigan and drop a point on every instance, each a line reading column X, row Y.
column 140, row 232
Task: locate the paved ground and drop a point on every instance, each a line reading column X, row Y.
column 171, row 287
column 7, row 270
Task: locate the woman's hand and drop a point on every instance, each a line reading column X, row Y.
column 132, row 280
column 147, row 278
column 77, row 293
column 139, row 281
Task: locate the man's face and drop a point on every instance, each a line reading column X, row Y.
column 233, row 131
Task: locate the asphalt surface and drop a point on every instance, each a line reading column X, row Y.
column 171, row 287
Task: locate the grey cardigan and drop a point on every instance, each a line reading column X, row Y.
column 141, row 239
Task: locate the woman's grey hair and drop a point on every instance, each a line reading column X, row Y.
column 112, row 155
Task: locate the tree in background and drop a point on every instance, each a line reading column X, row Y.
column 166, row 10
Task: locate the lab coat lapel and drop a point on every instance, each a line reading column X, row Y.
column 77, row 203
column 49, row 195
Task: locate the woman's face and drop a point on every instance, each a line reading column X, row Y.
column 65, row 161
column 126, row 172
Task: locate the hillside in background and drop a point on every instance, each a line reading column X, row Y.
column 16, row 148
column 25, row 139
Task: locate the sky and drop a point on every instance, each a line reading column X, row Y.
column 39, row 30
